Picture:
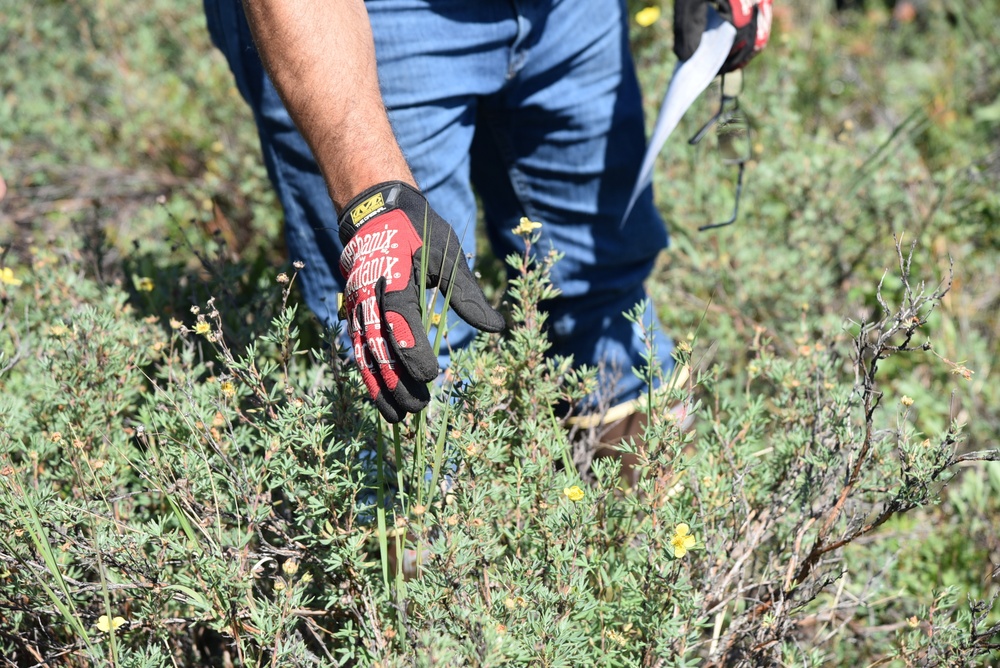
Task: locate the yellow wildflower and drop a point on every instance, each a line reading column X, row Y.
column 106, row 624
column 682, row 540
column 58, row 331
column 573, row 493
column 435, row 319
column 525, row 227
column 648, row 16
column 614, row 635
column 202, row 328
column 227, row 387
column 7, row 277
column 906, row 401
column 175, row 323
column 290, row 567
column 144, row 284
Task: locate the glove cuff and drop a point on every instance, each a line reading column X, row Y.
column 372, row 202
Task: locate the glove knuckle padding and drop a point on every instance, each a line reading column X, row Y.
column 387, row 381
column 406, row 333
column 364, row 355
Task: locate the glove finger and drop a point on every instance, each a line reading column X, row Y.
column 763, row 17
column 406, row 332
column 381, row 395
column 388, row 408
column 362, row 358
column 410, row 395
column 469, row 302
column 690, row 19
column 448, row 266
column 392, row 379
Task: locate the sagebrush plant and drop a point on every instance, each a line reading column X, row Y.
column 186, row 464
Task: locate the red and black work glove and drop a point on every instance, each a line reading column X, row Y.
column 384, row 230
column 752, row 19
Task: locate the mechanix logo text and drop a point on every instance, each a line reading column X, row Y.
column 369, row 315
column 374, row 352
column 377, row 242
column 371, row 270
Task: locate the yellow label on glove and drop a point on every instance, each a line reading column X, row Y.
column 366, row 208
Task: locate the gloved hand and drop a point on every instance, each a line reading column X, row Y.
column 384, row 230
column 752, row 19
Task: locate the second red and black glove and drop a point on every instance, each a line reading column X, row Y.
column 385, row 230
column 752, row 19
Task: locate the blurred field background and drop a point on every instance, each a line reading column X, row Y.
column 135, row 191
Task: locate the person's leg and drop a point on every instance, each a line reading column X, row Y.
column 310, row 219
column 562, row 144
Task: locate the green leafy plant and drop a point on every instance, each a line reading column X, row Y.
column 190, row 473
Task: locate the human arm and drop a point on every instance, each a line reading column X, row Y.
column 320, row 56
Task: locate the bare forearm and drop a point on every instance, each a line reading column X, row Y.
column 321, row 58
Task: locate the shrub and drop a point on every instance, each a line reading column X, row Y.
column 221, row 507
column 189, row 474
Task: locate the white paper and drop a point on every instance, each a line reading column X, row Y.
column 689, row 80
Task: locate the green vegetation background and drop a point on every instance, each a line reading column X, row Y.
column 145, row 464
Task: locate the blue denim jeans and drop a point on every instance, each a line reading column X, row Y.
column 533, row 105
